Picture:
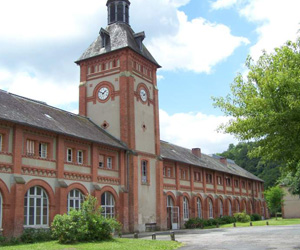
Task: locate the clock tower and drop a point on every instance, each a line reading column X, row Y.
column 118, row 92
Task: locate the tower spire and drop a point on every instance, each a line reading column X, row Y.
column 118, row 11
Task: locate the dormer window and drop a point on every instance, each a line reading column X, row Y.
column 139, row 37
column 104, row 37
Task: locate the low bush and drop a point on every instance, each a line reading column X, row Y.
column 255, row 217
column 242, row 217
column 226, row 220
column 32, row 235
column 200, row 223
column 84, row 225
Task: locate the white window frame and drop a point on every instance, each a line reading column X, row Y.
column 69, row 154
column 144, row 171
column 101, row 161
column 164, row 171
column 1, row 142
column 108, row 206
column 32, row 197
column 80, row 157
column 109, row 162
column 30, row 147
column 186, row 214
column 199, row 208
column 76, row 197
column 43, row 147
column 170, row 202
column 168, row 172
column 1, row 209
column 210, row 209
column 221, row 208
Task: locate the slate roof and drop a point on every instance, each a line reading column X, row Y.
column 29, row 112
column 121, row 36
column 176, row 153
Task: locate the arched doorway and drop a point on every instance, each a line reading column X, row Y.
column 172, row 213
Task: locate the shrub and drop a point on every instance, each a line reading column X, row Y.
column 86, row 224
column 31, row 235
column 255, row 217
column 242, row 217
column 226, row 220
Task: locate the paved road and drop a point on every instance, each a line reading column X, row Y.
column 247, row 238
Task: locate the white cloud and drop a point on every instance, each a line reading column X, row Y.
column 278, row 21
column 220, row 4
column 197, row 46
column 195, row 130
column 160, row 77
column 36, row 87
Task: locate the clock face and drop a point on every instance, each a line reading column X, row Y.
column 143, row 95
column 103, row 93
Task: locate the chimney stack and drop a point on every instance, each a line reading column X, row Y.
column 223, row 160
column 196, row 151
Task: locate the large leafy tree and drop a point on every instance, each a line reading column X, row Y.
column 274, row 199
column 265, row 106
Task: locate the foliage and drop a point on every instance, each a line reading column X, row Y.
column 84, row 225
column 274, row 199
column 201, row 223
column 116, row 244
column 265, row 106
column 255, row 217
column 269, row 171
column 242, row 217
column 31, row 235
column 292, row 180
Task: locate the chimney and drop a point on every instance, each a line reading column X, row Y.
column 223, row 160
column 196, row 151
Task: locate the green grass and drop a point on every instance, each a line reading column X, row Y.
column 272, row 222
column 124, row 244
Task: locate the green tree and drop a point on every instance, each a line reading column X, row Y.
column 274, row 199
column 265, row 107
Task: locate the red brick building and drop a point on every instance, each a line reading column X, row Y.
column 50, row 158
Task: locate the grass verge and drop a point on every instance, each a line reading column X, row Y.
column 116, row 244
column 272, row 222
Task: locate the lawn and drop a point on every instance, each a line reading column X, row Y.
column 124, row 244
column 272, row 222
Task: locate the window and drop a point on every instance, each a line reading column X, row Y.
column 228, row 181
column 221, row 207
column 237, row 207
column 236, row 183
column 210, row 209
column 243, row 184
column 249, row 185
column 109, row 162
column 199, row 208
column 164, row 172
column 170, row 202
column 197, row 176
column 79, row 157
column 30, row 148
column 144, row 172
column 108, row 205
column 75, row 198
column 169, row 172
column 219, row 180
column 229, row 208
column 183, row 174
column 101, row 160
column 43, row 150
column 36, row 207
column 69, row 155
column 1, row 141
column 185, row 209
column 0, row 210
column 209, row 178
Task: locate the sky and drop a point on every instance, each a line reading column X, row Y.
column 200, row 44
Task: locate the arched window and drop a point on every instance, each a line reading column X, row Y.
column 221, row 207
column 199, row 208
column 75, row 198
column 237, row 206
column 210, row 209
column 1, row 210
column 170, row 202
column 185, row 208
column 120, row 11
column 245, row 206
column 108, row 205
column 36, row 207
column 229, row 208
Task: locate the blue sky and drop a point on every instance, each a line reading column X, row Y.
column 200, row 44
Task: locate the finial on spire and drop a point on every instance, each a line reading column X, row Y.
column 118, row 11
